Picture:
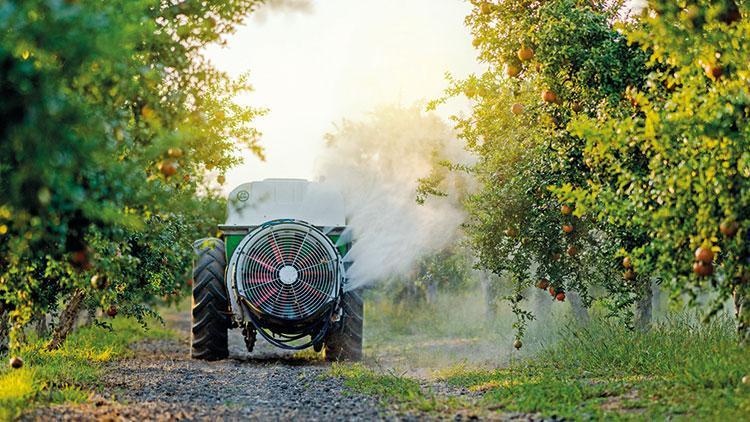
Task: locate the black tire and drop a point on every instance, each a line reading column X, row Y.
column 344, row 342
column 210, row 303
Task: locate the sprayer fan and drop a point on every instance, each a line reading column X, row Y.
column 287, row 270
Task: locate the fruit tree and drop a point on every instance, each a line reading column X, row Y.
column 111, row 119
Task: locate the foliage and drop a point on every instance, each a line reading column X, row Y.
column 444, row 271
column 678, row 167
column 548, row 62
column 112, row 122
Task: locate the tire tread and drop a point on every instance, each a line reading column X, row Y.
column 210, row 322
column 345, row 341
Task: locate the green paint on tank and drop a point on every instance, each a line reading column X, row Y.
column 231, row 242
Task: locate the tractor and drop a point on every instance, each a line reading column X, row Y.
column 278, row 270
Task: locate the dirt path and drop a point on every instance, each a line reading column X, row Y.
column 162, row 383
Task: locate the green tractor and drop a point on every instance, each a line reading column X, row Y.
column 278, row 270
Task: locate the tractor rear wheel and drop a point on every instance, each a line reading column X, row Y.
column 210, row 303
column 344, row 342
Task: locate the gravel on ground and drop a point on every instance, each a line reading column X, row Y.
column 161, row 382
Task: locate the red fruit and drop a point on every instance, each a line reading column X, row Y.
column 560, row 297
column 703, row 269
column 549, row 96
column 552, row 291
column 572, row 251
column 705, row 255
column 566, row 209
column 567, row 228
column 556, row 257
column 190, row 282
column 16, row 362
column 629, row 275
column 713, row 71
column 626, row 262
column 174, row 152
column 112, row 311
column 543, row 284
column 168, row 168
column 512, row 70
column 729, row 228
column 81, row 259
column 517, row 109
column 525, row 53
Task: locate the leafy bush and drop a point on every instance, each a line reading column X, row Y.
column 112, row 122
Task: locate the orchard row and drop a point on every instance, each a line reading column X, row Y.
column 612, row 150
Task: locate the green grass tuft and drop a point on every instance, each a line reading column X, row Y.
column 70, row 373
column 387, row 385
column 405, row 393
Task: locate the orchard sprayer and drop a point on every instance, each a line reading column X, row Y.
column 278, row 271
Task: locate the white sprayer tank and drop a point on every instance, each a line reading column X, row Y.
column 252, row 204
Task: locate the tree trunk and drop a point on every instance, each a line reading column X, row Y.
column 41, row 326
column 490, row 298
column 67, row 320
column 643, row 308
column 742, row 313
column 4, row 330
column 432, row 291
column 580, row 312
column 656, row 300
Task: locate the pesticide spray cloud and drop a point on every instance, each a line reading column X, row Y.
column 376, row 164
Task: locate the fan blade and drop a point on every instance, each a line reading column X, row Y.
column 263, row 263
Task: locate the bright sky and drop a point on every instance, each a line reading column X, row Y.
column 339, row 60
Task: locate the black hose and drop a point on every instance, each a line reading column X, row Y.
column 284, row 344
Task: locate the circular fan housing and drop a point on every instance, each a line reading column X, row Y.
column 286, row 272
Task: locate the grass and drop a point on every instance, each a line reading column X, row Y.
column 71, row 373
column 680, row 369
column 393, row 389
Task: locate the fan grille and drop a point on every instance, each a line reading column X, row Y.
column 287, row 270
